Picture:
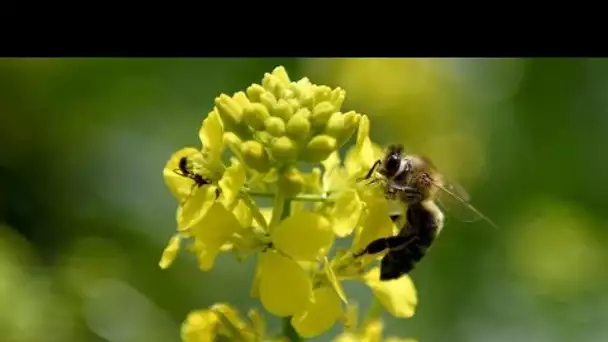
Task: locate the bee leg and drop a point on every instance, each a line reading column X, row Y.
column 382, row 244
column 371, row 171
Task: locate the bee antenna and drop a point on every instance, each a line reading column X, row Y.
column 467, row 204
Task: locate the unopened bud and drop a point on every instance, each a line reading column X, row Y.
column 351, row 122
column 319, row 148
column 275, row 126
column 337, row 97
column 322, row 93
column 255, row 156
column 294, row 104
column 241, row 99
column 283, row 110
column 291, row 182
column 321, row 114
column 335, row 125
column 284, row 150
column 255, row 115
column 268, row 100
column 254, row 92
column 298, row 126
column 281, row 74
column 229, row 109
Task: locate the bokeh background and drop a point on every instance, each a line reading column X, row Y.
column 85, row 214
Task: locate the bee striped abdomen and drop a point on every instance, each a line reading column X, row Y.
column 420, row 230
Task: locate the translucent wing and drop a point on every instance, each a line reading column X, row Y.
column 454, row 199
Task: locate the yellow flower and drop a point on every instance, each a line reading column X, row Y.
column 222, row 320
column 201, row 215
column 370, row 332
column 281, row 281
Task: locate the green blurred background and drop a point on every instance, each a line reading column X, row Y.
column 85, row 214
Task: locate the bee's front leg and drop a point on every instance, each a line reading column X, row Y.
column 371, row 171
column 382, row 244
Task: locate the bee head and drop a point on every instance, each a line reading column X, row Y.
column 394, row 163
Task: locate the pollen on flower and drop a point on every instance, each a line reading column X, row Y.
column 280, row 140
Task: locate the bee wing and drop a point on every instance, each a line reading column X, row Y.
column 454, row 199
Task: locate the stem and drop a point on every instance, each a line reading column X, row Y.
column 299, row 198
column 374, row 309
column 289, row 332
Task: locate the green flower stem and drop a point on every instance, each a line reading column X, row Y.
column 299, row 198
column 289, row 332
column 374, row 310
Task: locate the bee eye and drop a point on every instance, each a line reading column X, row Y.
column 393, row 162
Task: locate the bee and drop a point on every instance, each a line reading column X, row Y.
column 199, row 180
column 414, row 181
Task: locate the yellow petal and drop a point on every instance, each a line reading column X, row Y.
column 347, row 337
column 335, row 283
column 376, row 224
column 304, row 236
column 211, row 136
column 212, row 232
column 243, row 214
column 200, row 326
column 372, row 331
column 232, row 325
column 285, row 288
column 170, row 252
column 179, row 185
column 258, row 323
column 321, row 314
column 194, row 209
column 398, row 296
column 232, row 183
column 346, row 212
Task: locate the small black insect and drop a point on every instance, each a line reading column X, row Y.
column 199, row 180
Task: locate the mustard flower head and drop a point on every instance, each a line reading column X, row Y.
column 253, row 145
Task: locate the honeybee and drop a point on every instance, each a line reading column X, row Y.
column 199, row 180
column 414, row 181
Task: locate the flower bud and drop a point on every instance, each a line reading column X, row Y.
column 294, row 105
column 233, row 141
column 268, row 100
column 274, row 85
column 337, row 98
column 351, row 122
column 335, row 125
column 284, row 150
column 255, row 156
column 241, row 99
column 275, row 126
column 321, row 114
column 283, row 110
column 254, row 115
column 298, row 126
column 322, row 93
column 307, row 100
column 254, row 92
column 281, row 75
column 229, row 110
column 291, row 182
column 319, row 148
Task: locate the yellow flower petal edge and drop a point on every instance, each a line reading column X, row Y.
column 285, row 289
column 346, row 212
column 398, row 296
column 170, row 252
column 212, row 232
column 304, row 236
column 320, row 315
column 231, row 183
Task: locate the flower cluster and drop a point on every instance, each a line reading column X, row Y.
column 252, row 146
